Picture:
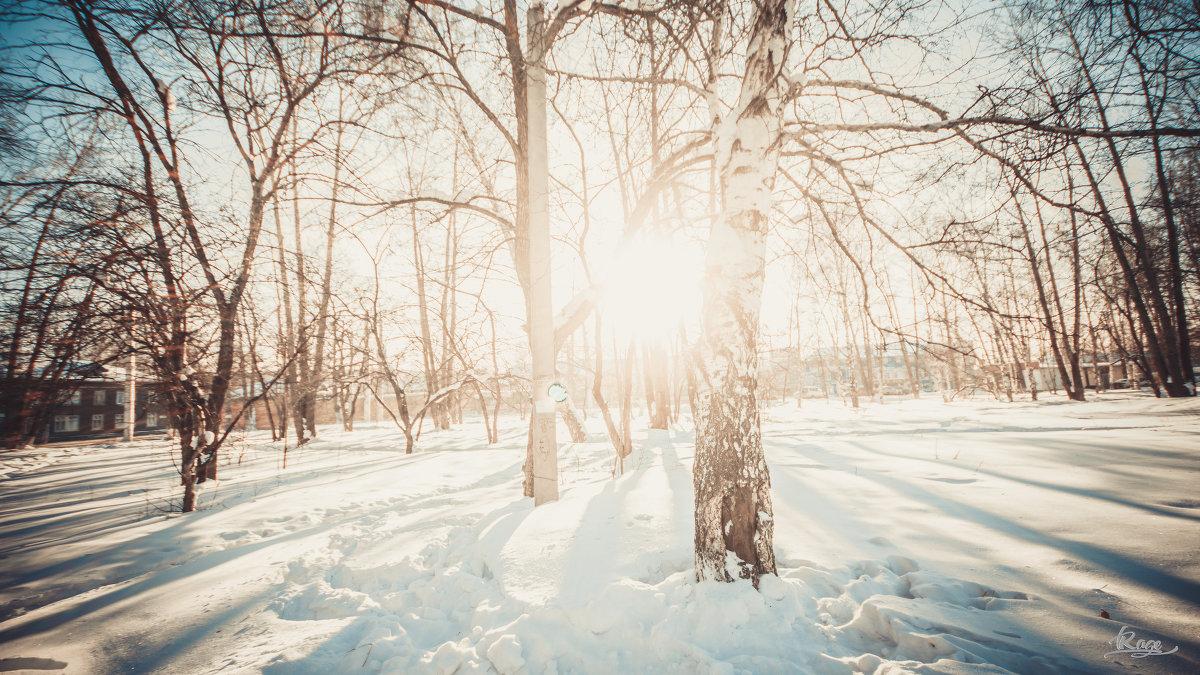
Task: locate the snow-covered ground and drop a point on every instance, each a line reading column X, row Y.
column 972, row 537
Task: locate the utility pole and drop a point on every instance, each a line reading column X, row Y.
column 130, row 394
column 541, row 308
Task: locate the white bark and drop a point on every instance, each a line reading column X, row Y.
column 734, row 517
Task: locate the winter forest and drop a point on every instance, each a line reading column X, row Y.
column 726, row 336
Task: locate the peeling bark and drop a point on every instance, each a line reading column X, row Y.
column 733, row 513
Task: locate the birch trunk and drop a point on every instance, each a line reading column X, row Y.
column 305, row 424
column 289, row 339
column 733, row 513
column 327, row 277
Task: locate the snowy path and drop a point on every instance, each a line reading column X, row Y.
column 919, row 537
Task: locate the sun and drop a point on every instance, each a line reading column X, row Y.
column 652, row 285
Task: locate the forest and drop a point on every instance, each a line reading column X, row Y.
column 296, row 215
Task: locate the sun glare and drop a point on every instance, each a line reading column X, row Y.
column 652, row 285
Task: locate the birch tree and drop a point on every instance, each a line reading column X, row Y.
column 734, row 517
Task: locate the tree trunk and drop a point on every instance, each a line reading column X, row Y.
column 658, row 395
column 305, row 426
column 570, row 416
column 289, row 379
column 614, row 435
column 327, row 279
column 625, row 387
column 733, row 513
column 1074, row 387
column 427, row 357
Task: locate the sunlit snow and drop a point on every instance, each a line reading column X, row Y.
column 913, row 537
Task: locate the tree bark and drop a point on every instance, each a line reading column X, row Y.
column 734, row 525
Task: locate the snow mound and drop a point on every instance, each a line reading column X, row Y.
column 871, row 616
column 584, row 585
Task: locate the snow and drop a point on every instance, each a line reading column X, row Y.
column 912, row 537
column 505, row 655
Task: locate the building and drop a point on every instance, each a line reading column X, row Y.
column 96, row 409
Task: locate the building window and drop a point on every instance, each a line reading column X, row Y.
column 120, row 398
column 66, row 423
column 151, row 419
column 97, row 422
column 119, row 421
column 99, row 397
column 76, row 398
